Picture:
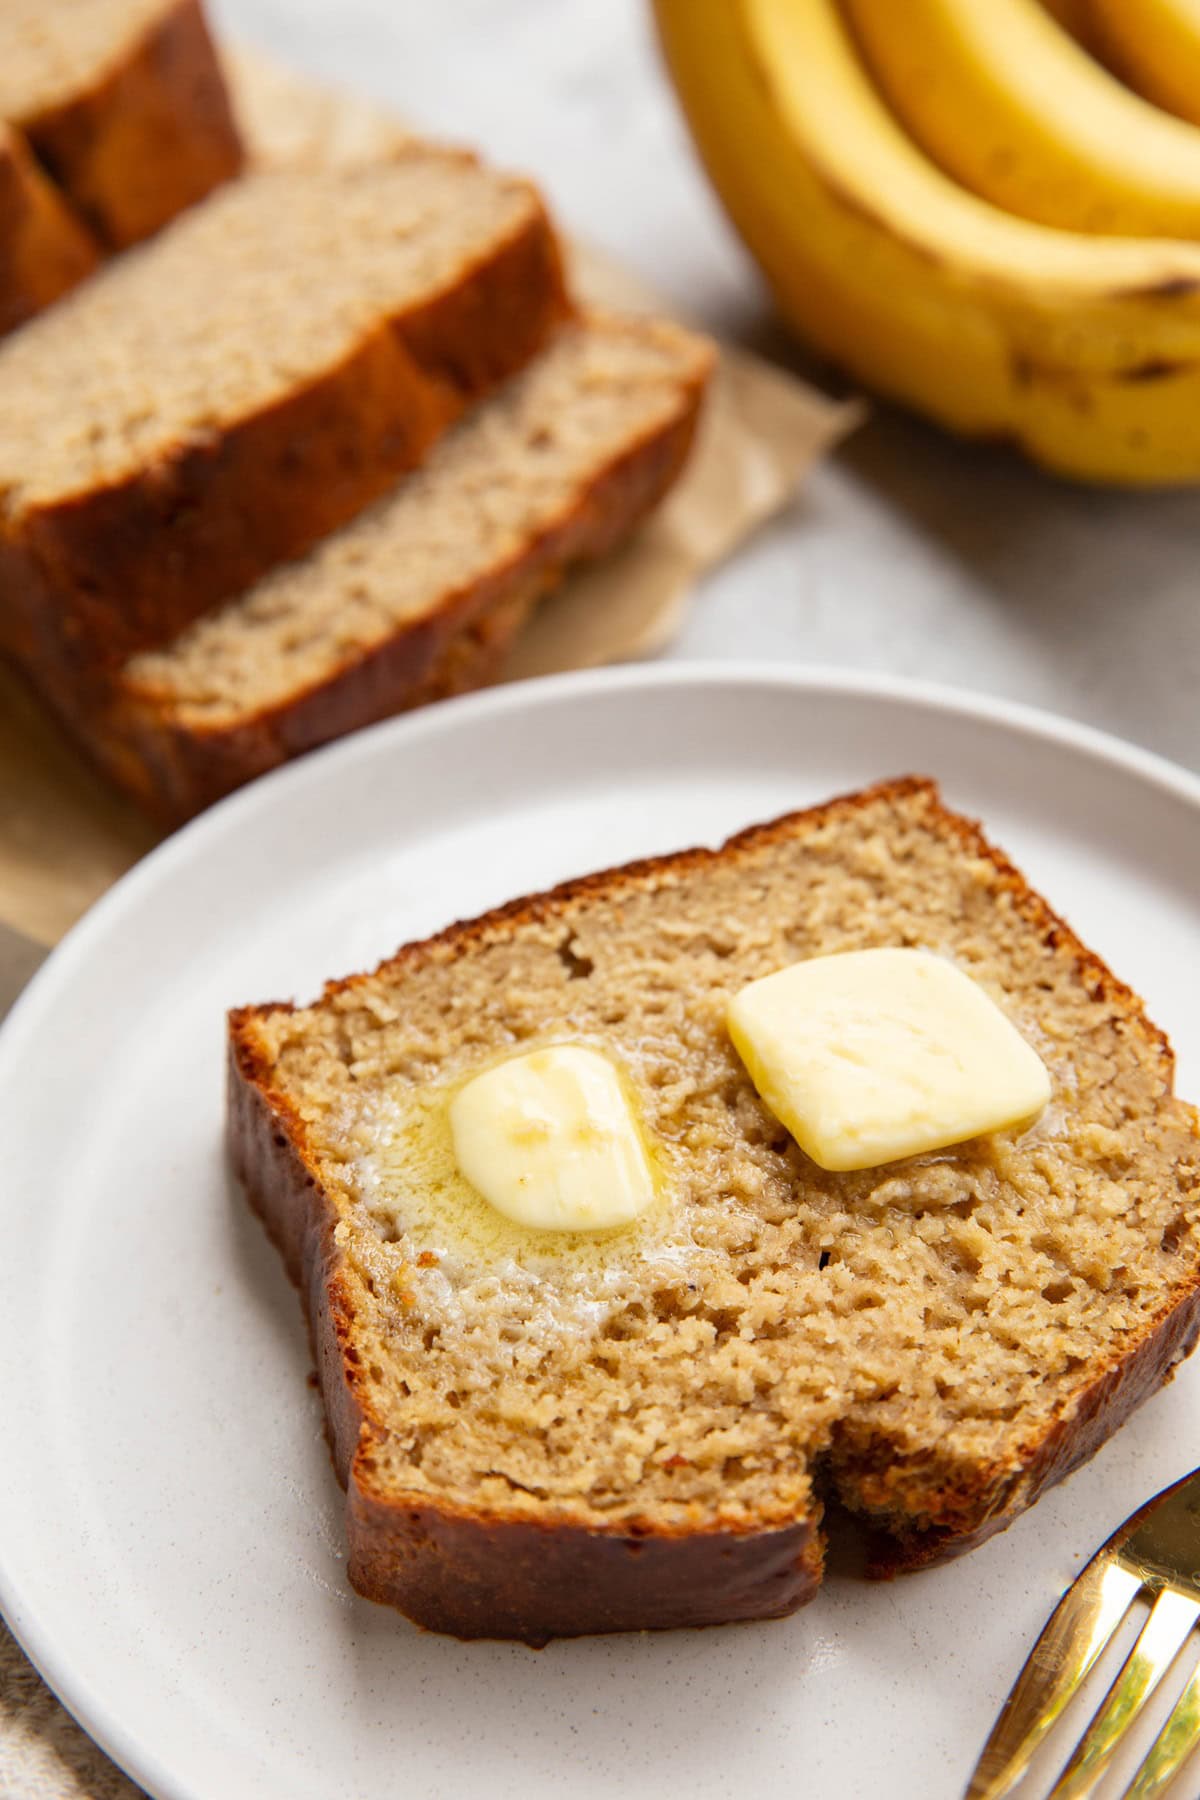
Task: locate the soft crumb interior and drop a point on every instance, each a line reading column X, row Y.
column 53, row 51
column 899, row 1324
column 512, row 472
column 267, row 285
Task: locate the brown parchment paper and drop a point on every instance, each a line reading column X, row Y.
column 64, row 837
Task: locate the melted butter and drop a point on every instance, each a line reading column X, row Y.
column 413, row 1187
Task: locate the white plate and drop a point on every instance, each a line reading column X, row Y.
column 171, row 1548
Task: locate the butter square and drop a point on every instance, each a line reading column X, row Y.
column 873, row 1055
column 549, row 1139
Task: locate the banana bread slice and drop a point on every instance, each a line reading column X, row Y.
column 216, row 401
column 420, row 596
column 544, row 1435
column 123, row 102
column 44, row 248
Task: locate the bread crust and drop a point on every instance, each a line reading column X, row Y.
column 174, row 769
column 90, row 580
column 44, row 248
column 417, row 1556
column 153, row 134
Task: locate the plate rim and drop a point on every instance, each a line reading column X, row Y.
column 131, row 1751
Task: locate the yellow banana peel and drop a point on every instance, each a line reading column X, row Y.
column 1084, row 350
column 1154, row 45
column 1006, row 101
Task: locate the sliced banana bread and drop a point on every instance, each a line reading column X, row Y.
column 544, row 1434
column 44, row 248
column 123, row 102
column 212, row 403
column 419, row 596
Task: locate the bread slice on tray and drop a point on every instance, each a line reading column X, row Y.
column 213, row 402
column 45, row 248
column 124, row 104
column 419, row 596
column 545, row 1435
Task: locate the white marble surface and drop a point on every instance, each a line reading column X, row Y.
column 908, row 552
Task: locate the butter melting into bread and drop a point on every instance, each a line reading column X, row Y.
column 546, row 1433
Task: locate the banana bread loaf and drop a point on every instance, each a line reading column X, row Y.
column 544, row 1434
column 420, row 596
column 123, row 102
column 214, row 402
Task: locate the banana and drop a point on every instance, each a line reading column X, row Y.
column 1084, row 350
column 1154, row 45
column 1009, row 104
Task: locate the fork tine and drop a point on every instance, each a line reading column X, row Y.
column 1078, row 1630
column 1171, row 1748
column 1171, row 1618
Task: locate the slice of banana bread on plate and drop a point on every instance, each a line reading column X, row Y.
column 552, row 1432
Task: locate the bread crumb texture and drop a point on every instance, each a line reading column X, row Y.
column 891, row 1332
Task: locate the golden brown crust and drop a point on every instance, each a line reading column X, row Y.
column 174, row 770
column 441, row 1568
column 154, row 134
column 449, row 1568
column 44, row 249
column 89, row 581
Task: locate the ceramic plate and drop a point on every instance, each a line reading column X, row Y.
column 171, row 1548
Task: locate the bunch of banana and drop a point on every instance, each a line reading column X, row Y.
column 942, row 286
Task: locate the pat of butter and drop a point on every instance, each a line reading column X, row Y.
column 549, row 1139
column 873, row 1055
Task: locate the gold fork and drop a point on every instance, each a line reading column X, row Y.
column 1155, row 1552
